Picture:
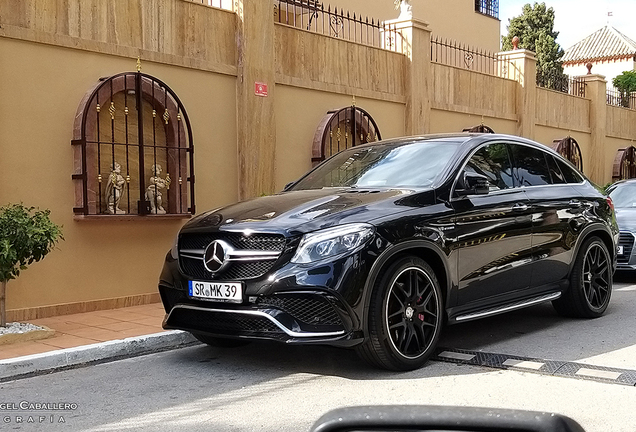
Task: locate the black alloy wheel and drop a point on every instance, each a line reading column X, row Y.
column 405, row 316
column 590, row 282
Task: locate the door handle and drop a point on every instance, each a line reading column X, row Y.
column 519, row 207
column 574, row 203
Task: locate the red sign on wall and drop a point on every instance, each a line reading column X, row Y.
column 260, row 89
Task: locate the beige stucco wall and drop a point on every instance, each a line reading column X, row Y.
column 449, row 121
column 451, row 19
column 298, row 113
column 42, row 86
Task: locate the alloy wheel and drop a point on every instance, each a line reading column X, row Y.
column 411, row 313
column 596, row 276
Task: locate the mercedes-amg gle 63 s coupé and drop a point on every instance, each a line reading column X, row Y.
column 381, row 245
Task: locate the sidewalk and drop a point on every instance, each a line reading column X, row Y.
column 92, row 337
column 89, row 328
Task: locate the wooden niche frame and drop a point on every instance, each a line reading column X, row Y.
column 342, row 129
column 624, row 164
column 569, row 148
column 168, row 110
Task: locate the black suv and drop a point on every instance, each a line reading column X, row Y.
column 382, row 244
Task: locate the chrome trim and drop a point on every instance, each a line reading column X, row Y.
column 234, row 255
column 509, row 308
column 261, row 314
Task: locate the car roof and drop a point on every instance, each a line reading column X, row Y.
column 469, row 139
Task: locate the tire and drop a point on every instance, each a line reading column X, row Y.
column 220, row 342
column 590, row 287
column 405, row 317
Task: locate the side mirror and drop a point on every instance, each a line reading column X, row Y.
column 442, row 418
column 472, row 183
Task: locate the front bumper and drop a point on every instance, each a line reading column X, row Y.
column 310, row 304
column 626, row 260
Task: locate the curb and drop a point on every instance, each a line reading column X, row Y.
column 23, row 367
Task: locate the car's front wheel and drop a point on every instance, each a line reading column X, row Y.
column 405, row 316
column 590, row 282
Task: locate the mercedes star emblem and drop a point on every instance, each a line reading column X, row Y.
column 215, row 256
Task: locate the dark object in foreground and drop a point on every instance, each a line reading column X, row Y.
column 424, row 418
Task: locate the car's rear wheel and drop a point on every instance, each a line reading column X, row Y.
column 405, row 316
column 590, row 282
column 220, row 342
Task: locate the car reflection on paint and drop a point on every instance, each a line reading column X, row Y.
column 382, row 245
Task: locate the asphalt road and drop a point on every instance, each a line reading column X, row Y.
column 273, row 387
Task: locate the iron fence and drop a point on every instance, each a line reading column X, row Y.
column 561, row 82
column 452, row 53
column 621, row 99
column 312, row 16
column 488, row 7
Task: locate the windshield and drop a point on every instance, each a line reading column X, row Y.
column 624, row 195
column 415, row 165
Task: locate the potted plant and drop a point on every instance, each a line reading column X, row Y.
column 26, row 236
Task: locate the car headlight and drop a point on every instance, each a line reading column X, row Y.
column 332, row 242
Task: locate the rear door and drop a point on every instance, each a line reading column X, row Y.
column 555, row 208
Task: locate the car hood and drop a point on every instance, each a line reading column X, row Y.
column 299, row 212
column 626, row 218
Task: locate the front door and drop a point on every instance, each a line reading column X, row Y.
column 493, row 232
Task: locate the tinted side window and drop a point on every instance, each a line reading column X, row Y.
column 493, row 161
column 570, row 174
column 531, row 168
column 555, row 171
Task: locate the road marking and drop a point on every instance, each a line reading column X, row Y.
column 456, row 355
column 523, row 364
column 598, row 373
column 558, row 368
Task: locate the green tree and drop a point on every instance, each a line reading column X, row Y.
column 26, row 236
column 625, row 83
column 535, row 29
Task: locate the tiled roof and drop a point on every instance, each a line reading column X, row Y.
column 606, row 43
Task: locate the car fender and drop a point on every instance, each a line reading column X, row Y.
column 387, row 255
column 586, row 232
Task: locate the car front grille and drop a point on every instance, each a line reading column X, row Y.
column 626, row 240
column 308, row 308
column 263, row 242
column 237, row 270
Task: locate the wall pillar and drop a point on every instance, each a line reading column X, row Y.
column 255, row 112
column 416, row 46
column 521, row 66
column 596, row 92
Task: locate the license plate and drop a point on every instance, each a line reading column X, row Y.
column 620, row 250
column 219, row 291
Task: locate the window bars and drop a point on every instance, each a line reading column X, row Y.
column 312, row 16
column 133, row 149
column 561, row 82
column 488, row 7
column 621, row 99
column 342, row 129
